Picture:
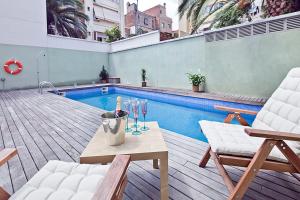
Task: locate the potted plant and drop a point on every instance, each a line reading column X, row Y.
column 197, row 81
column 103, row 75
column 144, row 78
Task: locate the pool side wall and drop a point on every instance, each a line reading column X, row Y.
column 251, row 66
column 60, row 66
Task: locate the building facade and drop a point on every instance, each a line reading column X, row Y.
column 104, row 14
column 184, row 25
column 151, row 19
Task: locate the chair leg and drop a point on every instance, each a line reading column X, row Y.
column 229, row 118
column 241, row 120
column 252, row 169
column 223, row 172
column 205, row 158
column 289, row 154
column 3, row 194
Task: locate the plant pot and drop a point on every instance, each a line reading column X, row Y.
column 103, row 81
column 201, row 88
column 195, row 88
column 144, row 84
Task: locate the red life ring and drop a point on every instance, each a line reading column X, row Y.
column 16, row 71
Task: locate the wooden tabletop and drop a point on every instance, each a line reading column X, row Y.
column 148, row 145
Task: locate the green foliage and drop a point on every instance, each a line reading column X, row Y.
column 231, row 15
column 196, row 79
column 64, row 17
column 144, row 76
column 194, row 12
column 103, row 74
column 113, row 34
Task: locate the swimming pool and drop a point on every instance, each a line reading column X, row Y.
column 176, row 113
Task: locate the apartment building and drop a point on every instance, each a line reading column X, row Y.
column 154, row 18
column 104, row 14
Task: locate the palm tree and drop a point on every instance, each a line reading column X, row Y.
column 65, row 17
column 232, row 11
column 280, row 7
column 194, row 12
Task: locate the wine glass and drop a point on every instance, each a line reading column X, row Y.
column 144, row 104
column 127, row 109
column 135, row 110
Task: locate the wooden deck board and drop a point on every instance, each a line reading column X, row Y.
column 47, row 127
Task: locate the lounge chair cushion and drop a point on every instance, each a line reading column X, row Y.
column 59, row 180
column 230, row 139
column 282, row 110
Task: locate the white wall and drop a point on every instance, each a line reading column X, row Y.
column 137, row 41
column 23, row 22
column 76, row 44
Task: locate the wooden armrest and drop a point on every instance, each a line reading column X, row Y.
column 276, row 135
column 235, row 110
column 6, row 154
column 114, row 179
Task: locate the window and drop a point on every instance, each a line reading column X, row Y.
column 160, row 11
column 100, row 37
column 162, row 25
column 170, row 26
column 88, row 8
column 146, row 21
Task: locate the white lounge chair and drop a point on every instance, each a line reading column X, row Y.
column 59, row 180
column 276, row 124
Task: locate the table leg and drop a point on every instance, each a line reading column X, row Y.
column 164, row 185
column 155, row 164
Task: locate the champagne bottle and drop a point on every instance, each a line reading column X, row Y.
column 118, row 111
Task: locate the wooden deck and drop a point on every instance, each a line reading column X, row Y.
column 47, row 127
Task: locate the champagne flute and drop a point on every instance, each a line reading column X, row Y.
column 135, row 110
column 144, row 105
column 127, row 109
column 134, row 101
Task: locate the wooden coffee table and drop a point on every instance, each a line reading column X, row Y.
column 148, row 146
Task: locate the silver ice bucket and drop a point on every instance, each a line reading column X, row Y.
column 114, row 127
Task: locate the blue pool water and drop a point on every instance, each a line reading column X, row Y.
column 173, row 112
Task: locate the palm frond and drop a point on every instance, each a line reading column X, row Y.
column 185, row 4
column 190, row 10
column 198, row 22
column 64, row 17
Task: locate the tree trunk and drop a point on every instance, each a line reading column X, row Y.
column 297, row 5
column 280, row 7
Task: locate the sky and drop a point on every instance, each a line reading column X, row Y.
column 172, row 6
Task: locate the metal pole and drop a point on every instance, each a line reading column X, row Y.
column 38, row 67
column 136, row 17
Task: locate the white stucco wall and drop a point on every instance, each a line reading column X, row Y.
column 137, row 41
column 23, row 22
